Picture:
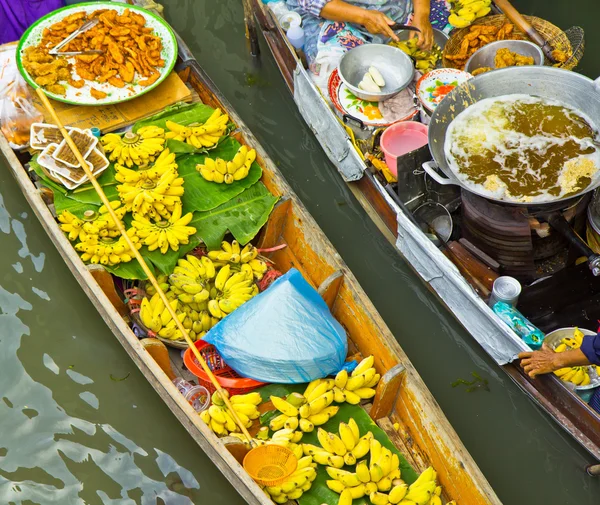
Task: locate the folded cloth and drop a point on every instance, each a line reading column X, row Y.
column 17, row 15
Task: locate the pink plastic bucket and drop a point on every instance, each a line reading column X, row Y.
column 400, row 139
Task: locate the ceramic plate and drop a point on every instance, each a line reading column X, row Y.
column 33, row 36
column 435, row 85
column 368, row 112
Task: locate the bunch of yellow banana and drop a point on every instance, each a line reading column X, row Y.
column 231, row 290
column 297, row 412
column 218, row 418
column 134, row 148
column 578, row 375
column 107, row 250
column 99, row 224
column 359, row 385
column 329, row 458
column 348, row 444
column 199, row 136
column 153, row 198
column 233, row 254
column 219, row 170
column 163, row 282
column 190, row 281
column 464, row 12
column 296, row 484
column 169, row 233
column 164, row 163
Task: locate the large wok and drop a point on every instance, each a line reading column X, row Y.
column 565, row 86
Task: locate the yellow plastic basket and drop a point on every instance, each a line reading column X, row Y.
column 270, row 464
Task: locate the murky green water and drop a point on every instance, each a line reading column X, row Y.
column 69, row 434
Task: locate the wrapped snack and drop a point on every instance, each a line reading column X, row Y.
column 97, row 160
column 84, row 141
column 42, row 135
column 46, row 160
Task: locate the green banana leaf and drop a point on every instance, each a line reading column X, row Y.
column 319, row 493
column 185, row 115
column 243, row 216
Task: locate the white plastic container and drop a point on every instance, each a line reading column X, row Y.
column 295, row 34
column 197, row 396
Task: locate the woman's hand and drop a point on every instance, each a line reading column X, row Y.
column 425, row 36
column 540, row 362
column 378, row 23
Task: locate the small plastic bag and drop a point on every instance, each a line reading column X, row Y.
column 17, row 112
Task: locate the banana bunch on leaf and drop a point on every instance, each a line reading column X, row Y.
column 232, row 253
column 296, row 484
column 157, row 318
column 283, row 438
column 359, row 385
column 424, row 60
column 93, row 224
column 218, row 418
column 164, row 163
column 200, row 135
column 579, row 375
column 464, row 12
column 164, row 234
column 219, row 170
column 231, row 290
column 138, row 148
column 339, row 450
column 107, row 250
column 190, row 280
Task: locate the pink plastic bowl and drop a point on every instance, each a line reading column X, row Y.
column 400, row 139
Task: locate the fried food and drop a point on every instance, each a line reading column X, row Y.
column 132, row 53
column 507, row 58
column 481, row 70
column 560, row 56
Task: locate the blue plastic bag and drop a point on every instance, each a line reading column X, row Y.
column 285, row 335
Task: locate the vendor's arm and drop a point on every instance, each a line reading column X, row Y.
column 422, row 22
column 336, row 10
column 547, row 361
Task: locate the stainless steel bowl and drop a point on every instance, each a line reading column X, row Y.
column 553, row 338
column 485, row 56
column 439, row 37
column 393, row 64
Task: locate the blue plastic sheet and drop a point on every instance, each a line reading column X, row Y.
column 285, row 334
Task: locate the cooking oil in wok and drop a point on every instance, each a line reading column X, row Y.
column 522, row 148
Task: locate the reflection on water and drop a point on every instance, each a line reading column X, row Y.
column 69, row 432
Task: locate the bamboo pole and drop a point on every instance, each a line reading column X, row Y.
column 251, row 30
column 224, row 395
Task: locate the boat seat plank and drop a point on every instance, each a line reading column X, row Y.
column 387, row 392
column 330, row 288
column 272, row 232
column 105, row 281
column 386, row 425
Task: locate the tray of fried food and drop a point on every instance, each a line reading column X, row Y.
column 131, row 55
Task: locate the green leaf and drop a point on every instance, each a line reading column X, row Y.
column 185, row 115
column 203, row 195
column 243, row 216
column 131, row 270
column 319, row 493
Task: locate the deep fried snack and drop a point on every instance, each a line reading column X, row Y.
column 481, row 70
column 97, row 94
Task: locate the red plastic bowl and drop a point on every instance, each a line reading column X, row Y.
column 226, row 376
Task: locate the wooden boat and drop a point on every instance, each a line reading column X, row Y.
column 439, row 274
column 424, row 435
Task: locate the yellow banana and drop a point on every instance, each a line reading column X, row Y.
column 349, row 479
column 345, row 497
column 362, row 472
column 378, row 498
column 347, row 436
column 284, row 407
column 341, row 379
column 397, row 494
column 363, row 366
column 277, row 422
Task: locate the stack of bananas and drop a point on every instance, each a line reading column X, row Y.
column 360, row 385
column 220, row 171
column 296, row 484
column 156, row 317
column 134, row 148
column 164, row 163
column 234, row 255
column 190, row 279
column 231, row 290
column 155, row 198
column 304, row 412
column 218, row 418
column 165, row 234
column 424, row 60
column 200, row 136
column 464, row 12
column 107, row 250
column 578, row 375
column 93, row 224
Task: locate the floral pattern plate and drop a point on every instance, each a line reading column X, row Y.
column 435, row 85
column 368, row 112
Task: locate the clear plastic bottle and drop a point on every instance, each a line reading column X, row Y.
column 197, row 396
column 295, row 34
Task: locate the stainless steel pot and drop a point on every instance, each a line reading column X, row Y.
column 565, row 86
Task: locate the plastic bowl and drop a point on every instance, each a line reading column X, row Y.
column 400, row 139
column 395, row 66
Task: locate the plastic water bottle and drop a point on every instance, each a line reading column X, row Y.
column 197, row 396
column 295, row 34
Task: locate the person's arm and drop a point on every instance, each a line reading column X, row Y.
column 421, row 21
column 374, row 21
column 547, row 361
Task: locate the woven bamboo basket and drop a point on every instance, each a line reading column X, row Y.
column 571, row 41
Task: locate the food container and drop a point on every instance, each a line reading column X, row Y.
column 395, row 66
column 400, row 139
column 434, row 215
column 485, row 56
column 505, row 289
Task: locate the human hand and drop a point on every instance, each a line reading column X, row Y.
column 425, row 36
column 539, row 362
column 378, row 23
